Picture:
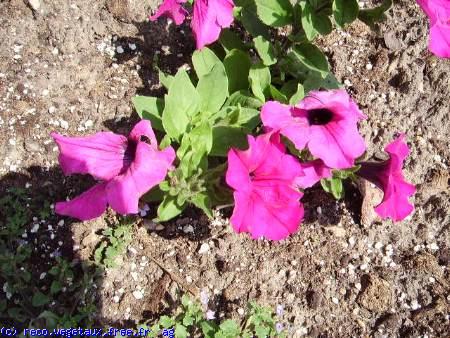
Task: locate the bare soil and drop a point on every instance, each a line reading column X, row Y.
column 73, row 66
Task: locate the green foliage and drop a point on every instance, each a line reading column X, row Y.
column 113, row 246
column 373, row 15
column 334, row 185
column 206, row 114
column 189, row 321
column 345, row 11
column 38, row 296
column 275, row 13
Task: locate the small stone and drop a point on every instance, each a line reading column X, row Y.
column 369, row 66
column 42, row 276
column 188, row 229
column 35, row 4
column 116, row 299
column 204, row 248
column 138, row 294
column 159, row 227
column 378, row 245
column 189, row 279
column 119, row 50
column 240, row 311
column 335, row 300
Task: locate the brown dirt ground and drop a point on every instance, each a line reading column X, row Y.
column 336, row 277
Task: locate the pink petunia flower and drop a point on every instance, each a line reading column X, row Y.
column 173, row 9
column 324, row 121
column 208, row 20
column 210, row 17
column 127, row 168
column 388, row 177
column 312, row 172
column 266, row 199
column 438, row 12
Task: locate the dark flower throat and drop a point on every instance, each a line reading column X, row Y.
column 319, row 116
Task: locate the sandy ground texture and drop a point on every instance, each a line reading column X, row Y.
column 72, row 67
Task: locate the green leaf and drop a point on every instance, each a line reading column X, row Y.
column 248, row 118
column 182, row 102
column 230, row 328
column 55, row 287
column 18, row 314
column 373, row 15
column 237, row 65
column 337, row 188
column 250, row 19
column 169, row 209
column 213, row 89
column 181, row 331
column 201, row 141
column 345, row 11
column 226, row 137
column 334, row 186
column 39, row 299
column 298, row 95
column 265, row 50
column 277, row 95
column 149, row 108
column 315, row 82
column 204, row 60
column 306, row 60
column 260, row 79
column 208, row 328
column 165, row 79
column 166, row 322
column 230, row 40
column 202, row 201
column 244, row 99
column 275, row 13
column 307, row 20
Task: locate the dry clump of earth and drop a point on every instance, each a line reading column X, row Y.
column 73, row 67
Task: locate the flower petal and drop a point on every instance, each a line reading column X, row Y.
column 209, row 18
column 279, row 117
column 173, row 9
column 337, row 143
column 338, row 101
column 149, row 168
column 90, row 204
column 438, row 12
column 395, row 202
column 313, row 172
column 101, row 155
column 143, row 128
column 439, row 41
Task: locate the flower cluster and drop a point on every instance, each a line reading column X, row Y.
column 259, row 124
column 208, row 19
column 266, row 180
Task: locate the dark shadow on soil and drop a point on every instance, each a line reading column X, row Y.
column 159, row 45
column 47, row 235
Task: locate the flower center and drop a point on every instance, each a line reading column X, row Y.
column 130, row 152
column 319, row 116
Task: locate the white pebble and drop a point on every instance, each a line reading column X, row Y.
column 241, row 311
column 378, row 245
column 42, row 276
column 138, row 294
column 335, row 300
column 116, row 299
column 204, row 248
column 369, row 66
column 119, row 49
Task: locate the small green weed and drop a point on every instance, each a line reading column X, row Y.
column 115, row 243
column 53, row 299
column 191, row 322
